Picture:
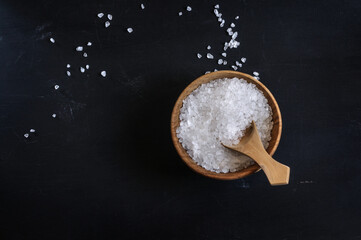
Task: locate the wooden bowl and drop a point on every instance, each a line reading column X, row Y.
column 275, row 133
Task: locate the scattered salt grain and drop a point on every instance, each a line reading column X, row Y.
column 224, row 54
column 54, row 115
column 32, row 130
column 233, row 25
column 79, row 48
column 68, row 65
column 100, row 15
column 180, row 14
column 220, row 61
column 26, row 135
column 237, row 17
column 209, row 56
column 103, row 73
column 239, row 64
column 215, row 70
column 219, row 112
column 89, row 44
column 234, row 67
column 208, row 47
column 52, row 40
column 87, row 66
column 256, row 74
column 216, row 6
column 207, row 72
column 82, row 69
column 243, row 59
column 142, row 6
column 68, row 73
column 107, row 24
column 256, row 77
column 199, row 55
column 56, row 87
column 130, row 30
column 85, row 54
column 224, row 62
column 110, row 17
column 189, row 8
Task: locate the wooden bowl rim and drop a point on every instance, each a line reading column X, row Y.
column 183, row 153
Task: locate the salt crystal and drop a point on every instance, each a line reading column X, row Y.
column 199, row 55
column 237, row 17
column 26, row 135
column 234, row 67
column 87, row 66
column 222, row 23
column 209, row 56
column 89, row 44
column 32, row 130
column 130, row 30
column 56, row 87
column 243, row 59
column 189, row 8
column 180, row 14
column 52, row 40
column 205, row 73
column 208, row 47
column 85, row 54
column 107, row 24
column 215, row 70
column 79, row 48
column 224, row 62
column 207, row 119
column 238, row 64
column 216, row 6
column 82, row 69
column 103, row 73
column 142, row 6
column 68, row 73
column 54, row 115
column 68, row 65
column 233, row 25
column 110, row 17
column 216, row 12
column 220, row 61
column 100, row 15
column 256, row 74
column 224, row 54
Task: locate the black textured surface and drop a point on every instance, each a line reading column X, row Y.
column 105, row 168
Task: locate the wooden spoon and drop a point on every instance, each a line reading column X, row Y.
column 250, row 144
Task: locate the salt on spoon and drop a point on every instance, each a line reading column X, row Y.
column 250, row 144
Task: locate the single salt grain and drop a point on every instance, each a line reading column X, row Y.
column 215, row 70
column 237, row 17
column 54, row 115
column 85, row 54
column 207, row 72
column 180, row 14
column 52, row 40
column 130, row 30
column 107, row 24
column 100, row 15
column 56, row 87
column 189, row 8
column 82, row 69
column 233, row 25
column 32, row 130
column 110, row 17
column 89, row 44
column 234, row 67
column 142, row 6
column 256, row 77
column 219, row 112
column 79, row 48
column 26, row 135
column 87, row 66
column 216, row 6
column 208, row 47
column 238, row 64
column 224, row 54
column 256, row 74
column 199, row 55
column 68, row 65
column 220, row 61
column 224, row 62
column 243, row 59
column 222, row 23
column 68, row 73
column 209, row 56
column 103, row 73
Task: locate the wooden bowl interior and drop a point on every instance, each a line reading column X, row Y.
column 275, row 133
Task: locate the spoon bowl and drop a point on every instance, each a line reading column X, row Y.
column 275, row 133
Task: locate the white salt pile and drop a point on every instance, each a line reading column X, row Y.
column 219, row 112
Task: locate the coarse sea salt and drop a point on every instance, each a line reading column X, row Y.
column 209, row 56
column 52, row 40
column 110, row 17
column 130, row 30
column 26, row 135
column 103, row 73
column 107, row 24
column 56, row 87
column 189, row 8
column 89, row 44
column 199, row 55
column 142, row 6
column 68, row 73
column 219, row 112
column 100, row 15
column 79, row 48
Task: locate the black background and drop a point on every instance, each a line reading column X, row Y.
column 105, row 168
